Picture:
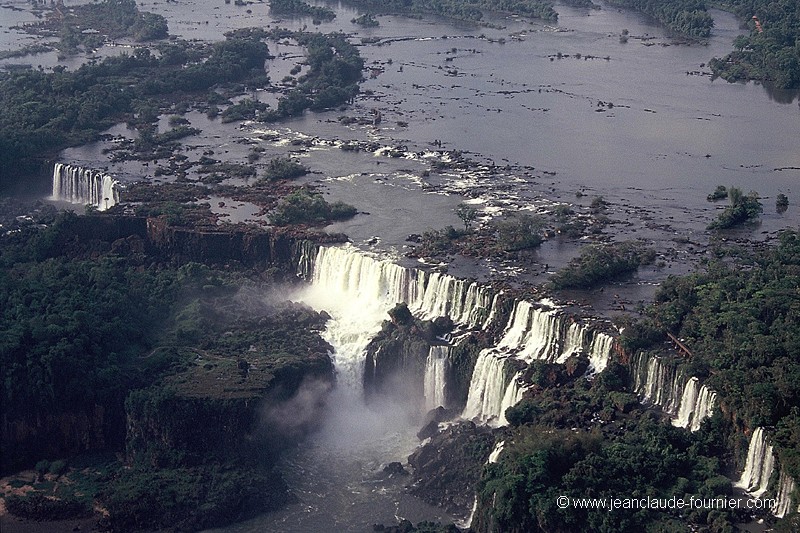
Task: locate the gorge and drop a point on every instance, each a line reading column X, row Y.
column 392, row 367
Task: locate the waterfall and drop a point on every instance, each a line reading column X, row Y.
column 511, row 397
column 533, row 332
column 495, row 455
column 359, row 290
column 704, row 407
column 759, row 465
column 783, row 503
column 758, row 472
column 487, row 390
column 575, row 341
column 600, row 351
column 84, row 186
column 428, row 295
column 690, row 394
column 435, row 385
column 661, row 382
column 657, row 380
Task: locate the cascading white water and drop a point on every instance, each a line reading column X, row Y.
column 660, row 384
column 759, row 465
column 758, row 472
column 660, row 381
column 688, row 400
column 357, row 292
column 511, row 397
column 532, row 332
column 495, row 455
column 600, row 351
column 367, row 288
column 79, row 185
column 575, row 341
column 487, row 389
column 428, row 295
column 435, row 384
column 783, row 497
column 704, row 407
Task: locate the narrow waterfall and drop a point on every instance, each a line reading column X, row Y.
column 759, row 465
column 657, row 381
column 495, row 455
column 758, row 472
column 84, row 186
column 511, row 397
column 783, row 504
column 600, row 351
column 688, row 400
column 704, row 407
column 487, row 390
column 435, row 386
column 575, row 341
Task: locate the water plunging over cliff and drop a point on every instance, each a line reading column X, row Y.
column 372, row 286
column 758, row 472
column 80, row 185
column 760, row 462
column 783, row 505
column 533, row 332
column 435, row 385
column 661, row 382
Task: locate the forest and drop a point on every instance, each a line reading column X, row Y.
column 684, row 17
column 464, row 9
column 771, row 55
column 127, row 350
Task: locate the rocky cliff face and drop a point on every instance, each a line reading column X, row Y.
column 397, row 356
column 93, row 428
column 447, row 469
column 166, row 427
column 152, row 240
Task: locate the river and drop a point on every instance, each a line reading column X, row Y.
column 517, row 94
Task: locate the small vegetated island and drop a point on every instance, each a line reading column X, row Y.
column 684, row 17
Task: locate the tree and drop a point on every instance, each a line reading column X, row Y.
column 467, row 214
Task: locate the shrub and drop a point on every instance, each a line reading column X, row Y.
column 519, row 232
column 741, row 210
column 305, row 207
column 284, row 168
column 720, row 193
column 599, row 263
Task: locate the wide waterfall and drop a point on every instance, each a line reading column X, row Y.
column 660, row 381
column 533, row 331
column 80, row 185
column 428, row 295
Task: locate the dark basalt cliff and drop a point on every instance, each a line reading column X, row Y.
column 447, row 469
column 102, row 425
column 201, row 405
column 396, row 357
